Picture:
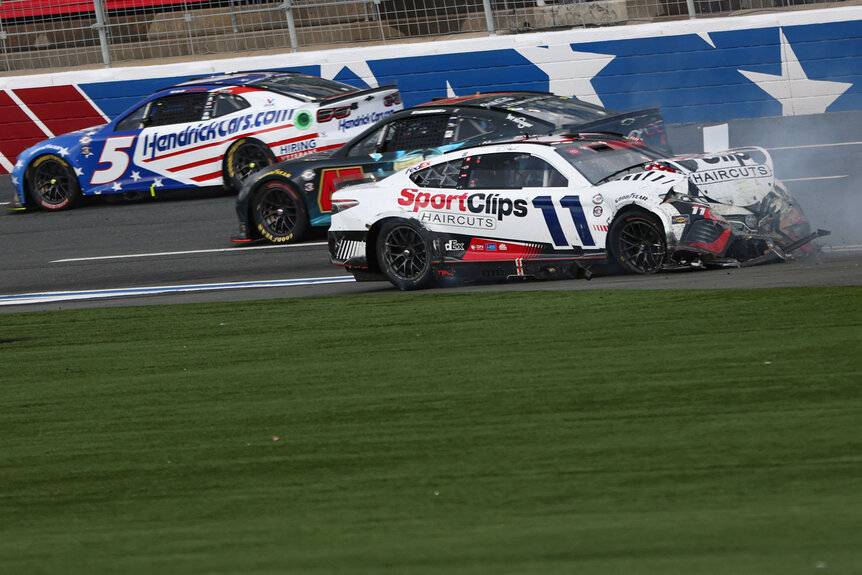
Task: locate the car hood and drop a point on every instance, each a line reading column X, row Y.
column 66, row 146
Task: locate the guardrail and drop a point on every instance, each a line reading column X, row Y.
column 40, row 34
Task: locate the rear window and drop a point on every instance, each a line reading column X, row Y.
column 599, row 161
column 309, row 88
column 554, row 109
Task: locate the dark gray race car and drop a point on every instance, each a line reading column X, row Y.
column 280, row 203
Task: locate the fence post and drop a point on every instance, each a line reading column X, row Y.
column 99, row 26
column 291, row 25
column 379, row 21
column 3, row 46
column 690, row 5
column 489, row 17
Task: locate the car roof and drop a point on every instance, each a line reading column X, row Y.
column 293, row 84
column 555, row 139
column 545, row 106
column 513, row 99
column 238, row 78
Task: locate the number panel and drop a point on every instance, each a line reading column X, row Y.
column 327, row 184
column 115, row 154
column 571, row 204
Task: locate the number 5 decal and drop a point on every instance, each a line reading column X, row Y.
column 573, row 204
column 113, row 153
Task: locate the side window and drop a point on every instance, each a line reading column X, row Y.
column 493, row 172
column 133, row 121
column 228, row 104
column 534, row 172
column 465, row 129
column 512, row 171
column 443, row 175
column 414, row 133
column 368, row 145
column 177, row 109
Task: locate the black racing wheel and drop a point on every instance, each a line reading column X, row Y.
column 278, row 212
column 404, row 254
column 52, row 183
column 243, row 159
column 637, row 243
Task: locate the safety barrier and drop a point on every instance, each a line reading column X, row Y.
column 59, row 34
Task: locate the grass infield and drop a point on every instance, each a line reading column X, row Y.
column 708, row 432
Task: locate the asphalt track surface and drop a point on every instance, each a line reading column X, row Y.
column 159, row 252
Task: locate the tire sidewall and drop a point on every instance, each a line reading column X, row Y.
column 74, row 192
column 301, row 226
column 424, row 279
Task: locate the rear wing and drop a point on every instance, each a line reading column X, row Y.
column 647, row 125
column 390, row 90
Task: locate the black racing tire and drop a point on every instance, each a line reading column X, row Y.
column 404, row 254
column 278, row 212
column 52, row 184
column 637, row 243
column 244, row 158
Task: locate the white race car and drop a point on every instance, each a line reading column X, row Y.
column 553, row 206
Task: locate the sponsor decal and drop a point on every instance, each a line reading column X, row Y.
column 597, row 211
column 652, row 129
column 308, row 175
column 597, row 199
column 632, row 196
column 475, row 203
column 729, row 174
column 309, row 186
column 303, row 120
column 418, row 167
column 741, row 158
column 363, row 120
column 519, row 121
column 156, row 143
column 681, row 219
column 459, row 220
column 274, row 239
column 302, row 147
column 454, row 246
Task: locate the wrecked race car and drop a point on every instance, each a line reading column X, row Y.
column 767, row 222
column 554, row 206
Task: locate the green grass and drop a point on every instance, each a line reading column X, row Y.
column 551, row 432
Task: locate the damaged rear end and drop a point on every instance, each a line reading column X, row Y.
column 766, row 222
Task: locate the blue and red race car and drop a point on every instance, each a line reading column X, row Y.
column 205, row 132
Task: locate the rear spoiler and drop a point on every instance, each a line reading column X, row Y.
column 371, row 92
column 647, row 124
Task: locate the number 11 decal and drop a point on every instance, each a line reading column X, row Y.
column 573, row 204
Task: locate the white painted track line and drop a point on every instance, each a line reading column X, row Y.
column 49, row 297
column 185, row 253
